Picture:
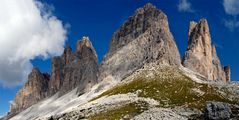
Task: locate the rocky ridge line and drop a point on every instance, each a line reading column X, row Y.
column 69, row 71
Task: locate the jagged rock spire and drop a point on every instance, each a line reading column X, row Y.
column 56, row 75
column 68, row 55
column 73, row 70
column 84, row 46
column 201, row 55
column 69, row 71
column 34, row 90
column 85, row 41
column 227, row 70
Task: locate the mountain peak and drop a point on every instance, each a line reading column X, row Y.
column 149, row 7
column 84, row 41
column 35, row 70
column 145, row 37
column 144, row 19
column 68, row 55
column 203, row 25
column 32, row 92
column 67, row 49
column 199, row 28
column 83, row 44
column 201, row 55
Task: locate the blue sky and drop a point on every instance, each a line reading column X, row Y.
column 98, row 19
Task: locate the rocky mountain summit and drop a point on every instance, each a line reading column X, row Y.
column 69, row 71
column 145, row 37
column 141, row 77
column 73, row 70
column 201, row 55
column 34, row 90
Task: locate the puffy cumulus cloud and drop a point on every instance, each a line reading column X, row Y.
column 28, row 30
column 184, row 6
column 231, row 7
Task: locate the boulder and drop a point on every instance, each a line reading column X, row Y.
column 217, row 111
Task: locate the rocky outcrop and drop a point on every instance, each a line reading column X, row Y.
column 227, row 71
column 201, row 55
column 82, row 71
column 217, row 111
column 58, row 65
column 69, row 71
column 73, row 70
column 221, row 111
column 56, row 76
column 32, row 92
column 145, row 37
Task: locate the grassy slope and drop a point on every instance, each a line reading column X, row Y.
column 168, row 86
column 126, row 112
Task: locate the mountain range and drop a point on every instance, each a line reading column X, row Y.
column 141, row 77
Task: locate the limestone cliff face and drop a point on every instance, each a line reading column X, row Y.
column 56, row 76
column 201, row 55
column 32, row 92
column 145, row 37
column 82, row 71
column 73, row 70
column 58, row 66
column 69, row 71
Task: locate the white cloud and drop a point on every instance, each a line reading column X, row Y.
column 231, row 24
column 27, row 30
column 231, row 7
column 184, row 6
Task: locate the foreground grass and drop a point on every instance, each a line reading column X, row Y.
column 171, row 88
column 126, row 112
